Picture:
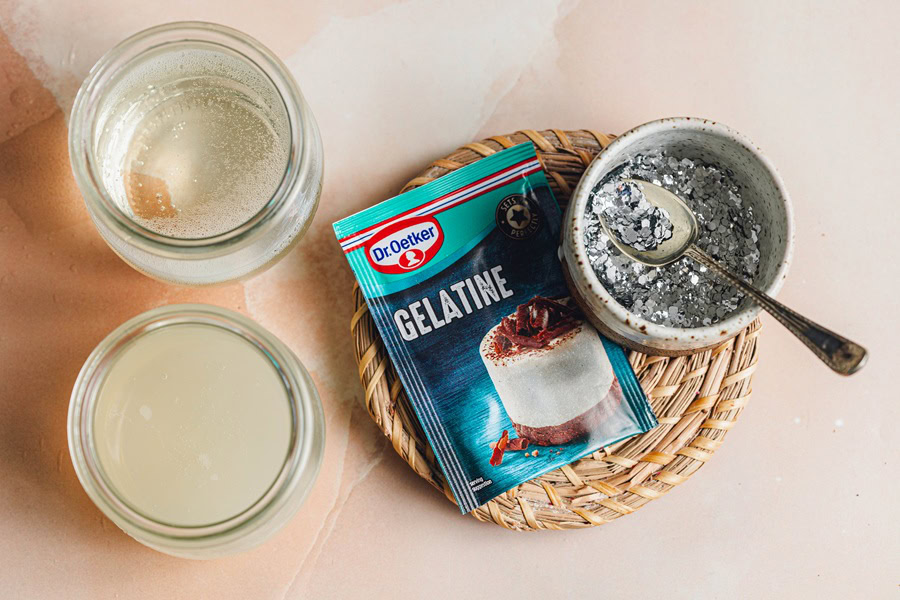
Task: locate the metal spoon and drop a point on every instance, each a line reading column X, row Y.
column 842, row 355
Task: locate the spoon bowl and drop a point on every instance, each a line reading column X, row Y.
column 685, row 229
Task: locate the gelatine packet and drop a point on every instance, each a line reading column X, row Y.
column 463, row 281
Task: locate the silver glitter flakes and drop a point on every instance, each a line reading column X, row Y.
column 683, row 293
column 630, row 216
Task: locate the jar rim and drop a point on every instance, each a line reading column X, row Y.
column 302, row 460
column 84, row 114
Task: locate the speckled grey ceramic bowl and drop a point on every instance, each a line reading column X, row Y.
column 762, row 188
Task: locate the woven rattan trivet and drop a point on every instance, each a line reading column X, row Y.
column 697, row 398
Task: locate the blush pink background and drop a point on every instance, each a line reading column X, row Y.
column 801, row 501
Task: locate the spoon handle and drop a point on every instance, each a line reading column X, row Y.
column 839, row 353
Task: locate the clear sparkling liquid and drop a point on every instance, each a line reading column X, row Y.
column 194, row 142
column 201, row 164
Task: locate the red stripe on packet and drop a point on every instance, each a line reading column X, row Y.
column 402, row 215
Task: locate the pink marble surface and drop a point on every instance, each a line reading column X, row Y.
column 800, row 502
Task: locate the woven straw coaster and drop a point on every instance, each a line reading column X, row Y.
column 697, row 398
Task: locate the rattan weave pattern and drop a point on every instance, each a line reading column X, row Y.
column 697, row 398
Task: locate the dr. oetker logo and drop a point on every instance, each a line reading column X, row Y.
column 405, row 246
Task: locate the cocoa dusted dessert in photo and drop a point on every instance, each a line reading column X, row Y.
column 551, row 371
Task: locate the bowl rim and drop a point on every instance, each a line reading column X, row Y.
column 684, row 337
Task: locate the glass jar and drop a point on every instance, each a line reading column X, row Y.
column 165, row 64
column 237, row 533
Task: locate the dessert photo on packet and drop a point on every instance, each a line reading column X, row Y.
column 464, row 283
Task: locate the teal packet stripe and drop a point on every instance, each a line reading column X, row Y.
column 455, row 422
column 631, row 387
column 434, row 189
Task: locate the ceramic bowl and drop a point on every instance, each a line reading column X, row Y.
column 762, row 188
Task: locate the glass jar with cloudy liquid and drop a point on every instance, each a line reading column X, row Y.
column 197, row 156
column 195, row 430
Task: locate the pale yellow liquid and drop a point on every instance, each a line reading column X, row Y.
column 192, row 424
